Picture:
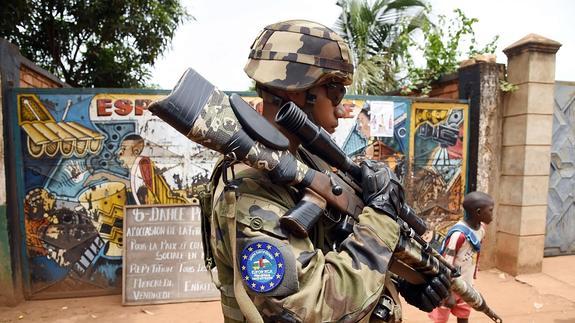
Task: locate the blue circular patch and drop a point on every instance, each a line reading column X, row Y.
column 262, row 266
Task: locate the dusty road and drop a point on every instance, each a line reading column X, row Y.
column 545, row 297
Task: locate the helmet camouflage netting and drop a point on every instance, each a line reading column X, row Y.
column 296, row 55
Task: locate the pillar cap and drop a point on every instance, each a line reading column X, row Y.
column 532, row 43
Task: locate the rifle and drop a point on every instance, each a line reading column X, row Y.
column 231, row 127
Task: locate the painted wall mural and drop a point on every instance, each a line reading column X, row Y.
column 379, row 131
column 438, row 150
column 425, row 143
column 85, row 156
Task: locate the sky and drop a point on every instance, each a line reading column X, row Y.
column 217, row 42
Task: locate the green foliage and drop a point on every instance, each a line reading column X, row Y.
column 441, row 49
column 93, row 43
column 373, row 29
column 505, row 86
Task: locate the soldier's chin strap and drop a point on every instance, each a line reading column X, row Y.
column 310, row 100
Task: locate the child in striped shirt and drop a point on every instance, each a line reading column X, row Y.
column 461, row 248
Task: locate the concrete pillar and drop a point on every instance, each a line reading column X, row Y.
column 479, row 83
column 526, row 143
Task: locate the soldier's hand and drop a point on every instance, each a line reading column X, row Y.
column 374, row 180
column 427, row 296
column 381, row 188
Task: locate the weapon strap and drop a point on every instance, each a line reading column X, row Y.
column 246, row 305
column 471, row 237
column 392, row 290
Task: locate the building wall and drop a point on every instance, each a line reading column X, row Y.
column 446, row 89
column 30, row 78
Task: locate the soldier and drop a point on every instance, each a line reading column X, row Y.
column 281, row 278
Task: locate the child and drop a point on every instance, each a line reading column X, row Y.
column 461, row 248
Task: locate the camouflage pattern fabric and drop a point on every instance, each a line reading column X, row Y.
column 296, row 55
column 216, row 125
column 319, row 285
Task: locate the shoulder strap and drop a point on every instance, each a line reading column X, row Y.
column 471, row 237
column 246, row 305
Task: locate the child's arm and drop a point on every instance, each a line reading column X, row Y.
column 452, row 247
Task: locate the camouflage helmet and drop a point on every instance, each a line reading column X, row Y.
column 296, row 55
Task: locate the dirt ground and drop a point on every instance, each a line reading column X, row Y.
column 545, row 297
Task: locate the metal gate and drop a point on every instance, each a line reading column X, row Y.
column 560, row 237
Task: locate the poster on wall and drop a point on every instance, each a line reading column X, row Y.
column 381, row 119
column 84, row 157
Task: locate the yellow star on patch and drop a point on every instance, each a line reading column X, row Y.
column 243, row 267
column 254, row 285
column 278, row 276
column 262, row 287
column 271, row 284
column 247, row 277
column 276, row 254
column 269, row 247
column 245, row 257
column 280, row 265
column 250, row 249
column 259, row 245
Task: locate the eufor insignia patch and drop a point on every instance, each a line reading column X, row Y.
column 262, row 266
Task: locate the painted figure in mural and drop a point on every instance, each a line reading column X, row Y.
column 278, row 276
column 363, row 123
column 38, row 214
column 461, row 248
column 146, row 184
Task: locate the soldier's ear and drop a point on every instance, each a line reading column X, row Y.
column 478, row 210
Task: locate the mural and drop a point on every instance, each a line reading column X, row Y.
column 85, row 156
column 378, row 132
column 424, row 143
column 438, row 150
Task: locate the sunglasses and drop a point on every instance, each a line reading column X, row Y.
column 335, row 92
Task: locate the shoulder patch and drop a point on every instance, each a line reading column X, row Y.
column 262, row 266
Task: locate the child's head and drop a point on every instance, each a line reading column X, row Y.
column 478, row 207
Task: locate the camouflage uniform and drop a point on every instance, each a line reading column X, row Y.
column 320, row 284
column 315, row 281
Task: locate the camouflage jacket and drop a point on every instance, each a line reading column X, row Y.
column 291, row 279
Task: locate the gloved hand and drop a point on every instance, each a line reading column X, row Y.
column 381, row 189
column 426, row 296
column 374, row 179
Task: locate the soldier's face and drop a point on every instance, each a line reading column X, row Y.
column 326, row 110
